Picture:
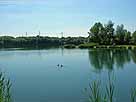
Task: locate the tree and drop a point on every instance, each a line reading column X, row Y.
column 96, row 32
column 109, row 31
column 127, row 37
column 120, row 34
column 134, row 37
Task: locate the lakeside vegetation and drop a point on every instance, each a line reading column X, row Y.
column 98, row 93
column 5, row 88
column 100, row 36
column 39, row 41
column 106, row 34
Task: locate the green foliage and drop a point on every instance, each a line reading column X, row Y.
column 133, row 95
column 39, row 41
column 69, row 46
column 120, row 33
column 87, row 45
column 134, row 37
column 107, row 35
column 96, row 32
column 5, row 86
column 127, row 38
column 102, row 34
column 109, row 30
column 95, row 95
column 110, row 90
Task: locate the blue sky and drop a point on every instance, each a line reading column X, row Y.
column 73, row 17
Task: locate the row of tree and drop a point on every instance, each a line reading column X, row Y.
column 106, row 34
column 39, row 41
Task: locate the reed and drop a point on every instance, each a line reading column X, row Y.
column 5, row 87
column 110, row 89
column 95, row 95
column 133, row 95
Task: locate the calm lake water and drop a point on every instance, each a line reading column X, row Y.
column 36, row 77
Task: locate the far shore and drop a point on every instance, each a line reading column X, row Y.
column 93, row 45
column 71, row 46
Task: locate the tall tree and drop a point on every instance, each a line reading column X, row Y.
column 109, row 30
column 96, row 32
column 120, row 33
column 127, row 37
column 134, row 37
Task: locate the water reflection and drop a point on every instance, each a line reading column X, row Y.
column 108, row 58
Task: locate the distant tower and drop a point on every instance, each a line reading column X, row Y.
column 62, row 34
column 37, row 39
column 39, row 33
column 61, row 38
column 26, row 34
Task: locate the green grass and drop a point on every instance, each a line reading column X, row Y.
column 95, row 45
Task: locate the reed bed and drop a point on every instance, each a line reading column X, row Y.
column 98, row 93
column 5, row 87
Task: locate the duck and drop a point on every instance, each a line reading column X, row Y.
column 61, row 65
column 58, row 65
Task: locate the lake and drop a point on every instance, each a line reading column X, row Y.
column 37, row 75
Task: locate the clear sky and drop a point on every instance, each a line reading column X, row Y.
column 73, row 17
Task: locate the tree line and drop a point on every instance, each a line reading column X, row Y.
column 106, row 34
column 38, row 41
column 102, row 34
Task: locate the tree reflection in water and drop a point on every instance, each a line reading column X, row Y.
column 108, row 58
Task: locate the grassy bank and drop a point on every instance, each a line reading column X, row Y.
column 88, row 45
column 96, row 45
column 116, row 46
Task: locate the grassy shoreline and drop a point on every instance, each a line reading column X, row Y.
column 95, row 45
column 72, row 46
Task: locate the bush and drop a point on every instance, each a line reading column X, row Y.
column 69, row 46
column 87, row 45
